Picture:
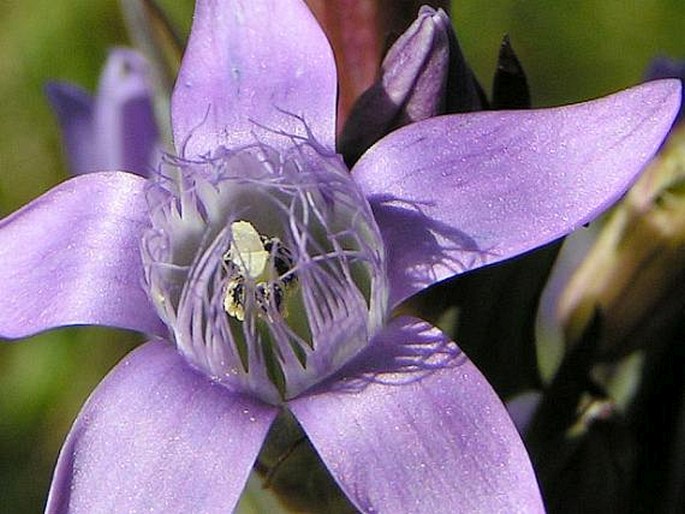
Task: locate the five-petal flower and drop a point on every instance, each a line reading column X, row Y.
column 404, row 422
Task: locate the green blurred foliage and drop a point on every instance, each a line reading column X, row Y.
column 571, row 50
column 42, row 40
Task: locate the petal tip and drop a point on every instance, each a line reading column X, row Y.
column 63, row 96
column 666, row 92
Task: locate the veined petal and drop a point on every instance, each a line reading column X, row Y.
column 252, row 68
column 72, row 256
column 126, row 133
column 417, row 428
column 457, row 192
column 73, row 107
column 157, row 435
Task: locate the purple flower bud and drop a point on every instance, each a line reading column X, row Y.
column 424, row 74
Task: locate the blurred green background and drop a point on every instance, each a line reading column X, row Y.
column 571, row 50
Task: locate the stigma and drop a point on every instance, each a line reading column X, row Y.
column 259, row 272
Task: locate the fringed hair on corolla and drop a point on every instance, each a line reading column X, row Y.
column 266, row 264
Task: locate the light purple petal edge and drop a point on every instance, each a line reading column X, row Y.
column 72, row 256
column 156, row 435
column 253, row 71
column 457, row 192
column 418, row 429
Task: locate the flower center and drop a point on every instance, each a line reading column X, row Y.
column 258, row 266
column 267, row 266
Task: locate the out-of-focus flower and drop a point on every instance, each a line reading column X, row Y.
column 522, row 408
column 116, row 129
column 268, row 274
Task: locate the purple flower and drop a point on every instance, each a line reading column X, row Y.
column 117, row 129
column 268, row 273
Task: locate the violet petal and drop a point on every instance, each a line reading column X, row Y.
column 72, row 256
column 457, row 192
column 73, row 107
column 251, row 69
column 157, row 435
column 417, row 428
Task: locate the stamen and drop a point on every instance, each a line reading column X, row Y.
column 234, row 299
column 254, row 266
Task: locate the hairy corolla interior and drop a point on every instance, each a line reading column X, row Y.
column 323, row 303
